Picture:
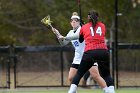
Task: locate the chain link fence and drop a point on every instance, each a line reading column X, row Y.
column 47, row 66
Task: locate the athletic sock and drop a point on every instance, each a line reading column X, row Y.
column 73, row 88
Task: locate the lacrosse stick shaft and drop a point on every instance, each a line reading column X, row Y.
column 51, row 26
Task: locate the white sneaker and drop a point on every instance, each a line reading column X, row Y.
column 111, row 89
column 106, row 91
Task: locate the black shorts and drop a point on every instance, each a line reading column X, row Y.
column 75, row 66
column 98, row 55
column 92, row 56
column 101, row 56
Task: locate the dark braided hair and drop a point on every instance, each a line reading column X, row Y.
column 93, row 17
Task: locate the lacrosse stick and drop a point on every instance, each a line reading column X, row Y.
column 48, row 22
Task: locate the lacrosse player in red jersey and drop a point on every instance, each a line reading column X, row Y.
column 79, row 50
column 93, row 33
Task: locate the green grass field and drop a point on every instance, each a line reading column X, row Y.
column 64, row 90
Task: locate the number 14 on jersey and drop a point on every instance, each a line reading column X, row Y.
column 98, row 31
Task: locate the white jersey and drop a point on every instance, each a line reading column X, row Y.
column 79, row 47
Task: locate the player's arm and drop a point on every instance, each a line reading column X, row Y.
column 60, row 38
column 70, row 36
column 63, row 41
column 73, row 35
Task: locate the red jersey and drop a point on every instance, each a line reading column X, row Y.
column 94, row 37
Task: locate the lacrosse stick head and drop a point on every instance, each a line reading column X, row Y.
column 46, row 20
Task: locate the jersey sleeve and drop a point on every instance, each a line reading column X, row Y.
column 63, row 42
column 72, row 36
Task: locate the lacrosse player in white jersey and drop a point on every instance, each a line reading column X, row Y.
column 79, row 49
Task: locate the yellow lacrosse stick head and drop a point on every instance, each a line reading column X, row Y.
column 46, row 20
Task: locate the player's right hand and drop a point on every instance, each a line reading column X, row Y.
column 61, row 37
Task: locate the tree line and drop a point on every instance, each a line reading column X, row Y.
column 20, row 19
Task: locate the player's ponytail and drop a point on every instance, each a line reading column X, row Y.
column 93, row 17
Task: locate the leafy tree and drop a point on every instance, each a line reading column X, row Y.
column 20, row 19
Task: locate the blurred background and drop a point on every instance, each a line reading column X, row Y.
column 31, row 56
